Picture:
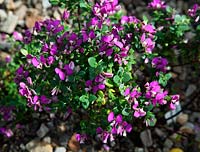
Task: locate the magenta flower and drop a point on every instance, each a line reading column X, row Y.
column 65, row 15
column 17, row 36
column 149, row 28
column 7, row 132
column 157, row 4
column 111, row 116
column 147, row 43
column 160, row 63
column 174, row 100
column 193, row 10
column 60, row 73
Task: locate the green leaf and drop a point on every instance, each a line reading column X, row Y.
column 92, row 98
column 24, row 52
column 85, row 101
column 124, row 112
column 126, row 77
column 116, row 79
column 92, row 62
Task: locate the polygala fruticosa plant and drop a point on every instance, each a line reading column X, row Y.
column 91, row 66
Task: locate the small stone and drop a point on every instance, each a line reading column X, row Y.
column 74, row 144
column 182, row 119
column 146, row 138
column 176, row 150
column 160, row 133
column 21, row 12
column 32, row 144
column 190, row 90
column 1, row 1
column 22, row 146
column 30, row 20
column 10, row 5
column 46, row 4
column 3, row 14
column 60, row 149
column 64, row 139
column 187, row 128
column 42, row 147
column 47, row 140
column 42, row 131
column 138, row 149
column 195, row 116
column 9, row 25
column 168, row 143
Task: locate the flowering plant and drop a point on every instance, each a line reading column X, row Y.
column 109, row 67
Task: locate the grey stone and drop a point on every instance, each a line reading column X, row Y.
column 3, row 14
column 182, row 119
column 190, row 90
column 42, row 147
column 194, row 116
column 47, row 140
column 160, row 133
column 21, row 12
column 32, row 144
column 146, row 138
column 64, row 139
column 138, row 149
column 1, row 1
column 60, row 149
column 168, row 143
column 9, row 25
column 46, row 4
column 43, row 130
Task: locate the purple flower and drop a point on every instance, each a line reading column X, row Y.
column 7, row 132
column 111, row 116
column 119, row 118
column 149, row 28
column 17, row 36
column 160, row 63
column 60, row 73
column 157, row 4
column 127, row 92
column 65, row 15
column 35, row 62
column 147, row 43
column 192, row 12
column 174, row 100
column 69, row 68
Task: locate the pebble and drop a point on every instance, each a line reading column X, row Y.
column 47, row 140
column 3, row 14
column 60, row 149
column 21, row 12
column 9, row 25
column 190, row 90
column 46, row 4
column 187, row 128
column 195, row 116
column 160, row 133
column 146, row 138
column 182, row 119
column 42, row 147
column 31, row 144
column 1, row 1
column 168, row 143
column 138, row 149
column 64, row 139
column 176, row 150
column 43, row 130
